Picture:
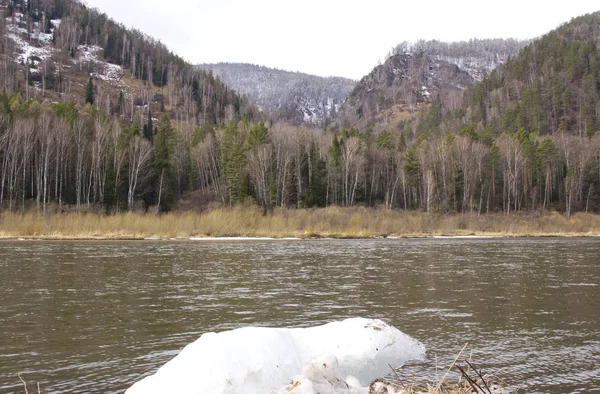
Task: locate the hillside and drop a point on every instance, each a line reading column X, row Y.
column 51, row 52
column 527, row 135
column 416, row 74
column 93, row 114
column 552, row 86
column 291, row 96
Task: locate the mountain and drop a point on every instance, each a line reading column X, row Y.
column 419, row 73
column 291, row 96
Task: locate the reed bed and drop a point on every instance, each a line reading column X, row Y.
column 356, row 222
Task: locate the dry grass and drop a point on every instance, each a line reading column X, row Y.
column 326, row 222
column 471, row 381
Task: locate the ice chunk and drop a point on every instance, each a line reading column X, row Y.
column 322, row 376
column 260, row 360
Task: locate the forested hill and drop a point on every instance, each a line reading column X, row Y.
column 51, row 48
column 416, row 74
column 93, row 114
column 527, row 135
column 552, row 86
column 291, row 96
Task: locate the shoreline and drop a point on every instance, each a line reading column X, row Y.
column 248, row 224
column 280, row 239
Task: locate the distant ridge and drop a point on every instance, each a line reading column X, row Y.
column 296, row 97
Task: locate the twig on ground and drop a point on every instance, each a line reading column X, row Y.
column 480, row 376
column 437, row 388
column 397, row 377
column 468, row 379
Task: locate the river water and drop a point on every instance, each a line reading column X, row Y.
column 87, row 317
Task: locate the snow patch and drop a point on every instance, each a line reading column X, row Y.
column 309, row 116
column 27, row 51
column 111, row 73
column 88, row 54
column 16, row 22
column 476, row 67
column 31, row 47
column 258, row 360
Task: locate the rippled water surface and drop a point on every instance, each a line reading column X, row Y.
column 83, row 317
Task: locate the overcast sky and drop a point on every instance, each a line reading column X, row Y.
column 329, row 37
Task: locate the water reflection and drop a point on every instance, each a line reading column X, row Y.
column 97, row 316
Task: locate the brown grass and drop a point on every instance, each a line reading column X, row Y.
column 327, row 222
column 471, row 381
column 395, row 114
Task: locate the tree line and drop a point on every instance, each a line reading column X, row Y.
column 62, row 155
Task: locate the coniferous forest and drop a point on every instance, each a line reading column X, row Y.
column 137, row 127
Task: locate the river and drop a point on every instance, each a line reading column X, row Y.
column 87, row 317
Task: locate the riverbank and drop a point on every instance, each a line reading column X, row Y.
column 332, row 222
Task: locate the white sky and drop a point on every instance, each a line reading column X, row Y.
column 329, row 37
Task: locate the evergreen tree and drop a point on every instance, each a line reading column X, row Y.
column 48, row 25
column 317, row 186
column 89, row 93
column 195, row 89
column 200, row 133
column 233, row 160
column 412, row 169
column 258, row 135
column 149, row 128
column 121, row 103
column 164, row 145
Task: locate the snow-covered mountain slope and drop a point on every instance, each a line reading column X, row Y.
column 296, row 97
column 51, row 51
column 33, row 46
